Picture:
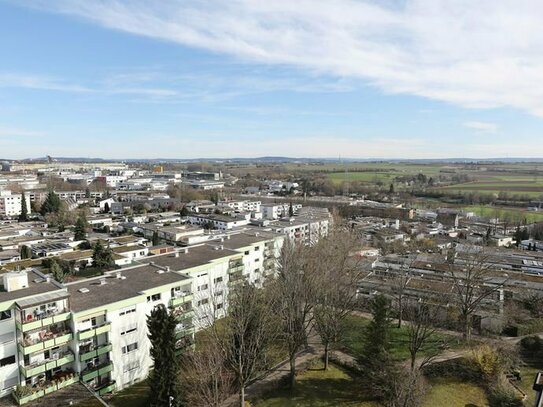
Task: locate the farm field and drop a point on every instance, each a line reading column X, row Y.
column 512, row 213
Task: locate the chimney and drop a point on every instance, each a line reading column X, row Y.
column 118, row 275
column 176, row 254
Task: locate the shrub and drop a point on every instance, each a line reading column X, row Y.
column 532, row 343
column 502, row 396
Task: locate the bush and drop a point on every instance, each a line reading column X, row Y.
column 532, row 343
column 501, row 396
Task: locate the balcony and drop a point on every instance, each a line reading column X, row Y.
column 86, row 353
column 105, row 388
column 94, row 331
column 181, row 298
column 26, row 394
column 181, row 314
column 47, row 340
column 44, row 319
column 37, row 368
column 95, row 371
column 184, row 330
column 184, row 343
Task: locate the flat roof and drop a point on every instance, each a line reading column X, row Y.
column 196, row 256
column 37, row 286
column 137, row 279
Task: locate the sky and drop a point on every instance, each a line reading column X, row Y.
column 250, row 78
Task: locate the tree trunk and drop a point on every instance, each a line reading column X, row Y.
column 293, row 370
column 467, row 328
column 242, row 396
column 400, row 313
column 326, row 353
column 413, row 361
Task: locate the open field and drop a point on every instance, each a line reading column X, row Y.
column 513, row 214
column 335, row 387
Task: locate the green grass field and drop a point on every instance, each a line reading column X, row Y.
column 337, row 388
column 353, row 340
column 511, row 213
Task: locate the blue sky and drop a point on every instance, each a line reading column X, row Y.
column 241, row 78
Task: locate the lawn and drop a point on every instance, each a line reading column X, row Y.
column 454, row 393
column 319, row 388
column 133, row 396
column 353, row 339
column 337, row 388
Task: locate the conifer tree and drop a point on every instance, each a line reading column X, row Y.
column 163, row 380
column 23, row 217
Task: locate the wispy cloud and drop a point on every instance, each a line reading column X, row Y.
column 476, row 54
column 482, row 127
column 18, row 132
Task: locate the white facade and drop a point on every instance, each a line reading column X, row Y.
column 11, row 204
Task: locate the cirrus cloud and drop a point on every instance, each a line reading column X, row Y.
column 475, row 54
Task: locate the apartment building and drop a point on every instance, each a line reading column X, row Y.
column 94, row 330
column 11, row 204
column 241, row 206
column 220, row 222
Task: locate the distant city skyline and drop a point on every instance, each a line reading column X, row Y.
column 186, row 79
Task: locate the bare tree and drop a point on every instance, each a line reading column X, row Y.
column 247, row 333
column 206, row 379
column 422, row 316
column 475, row 280
column 340, row 271
column 295, row 288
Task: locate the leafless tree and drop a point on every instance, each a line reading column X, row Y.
column 423, row 316
column 295, row 288
column 339, row 272
column 249, row 330
column 475, row 279
column 205, row 377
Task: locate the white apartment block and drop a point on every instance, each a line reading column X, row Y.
column 241, row 206
column 95, row 330
column 276, row 211
column 11, row 204
column 220, row 222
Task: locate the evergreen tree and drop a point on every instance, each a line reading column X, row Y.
column 102, row 257
column 163, row 380
column 184, row 211
column 51, row 203
column 290, row 210
column 56, row 271
column 391, row 188
column 80, row 229
column 23, row 217
column 25, row 252
column 87, row 193
column 155, row 239
column 106, row 207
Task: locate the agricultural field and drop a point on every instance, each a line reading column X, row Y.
column 513, row 214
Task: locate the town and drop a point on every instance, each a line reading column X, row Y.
column 89, row 249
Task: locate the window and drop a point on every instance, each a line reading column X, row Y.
column 202, row 287
column 218, row 306
column 130, row 348
column 7, row 361
column 131, row 366
column 257, row 260
column 202, row 275
column 126, row 311
column 154, row 297
column 129, row 329
column 257, row 248
column 203, row 302
column 9, row 383
column 257, row 270
column 5, row 314
column 218, row 293
column 218, row 280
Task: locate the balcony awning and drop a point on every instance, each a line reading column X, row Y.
column 41, row 299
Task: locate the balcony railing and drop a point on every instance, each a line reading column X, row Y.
column 94, row 351
column 28, row 346
column 97, row 370
column 48, row 364
column 43, row 320
column 94, row 331
column 185, row 330
column 105, row 388
column 180, row 299
column 26, row 394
